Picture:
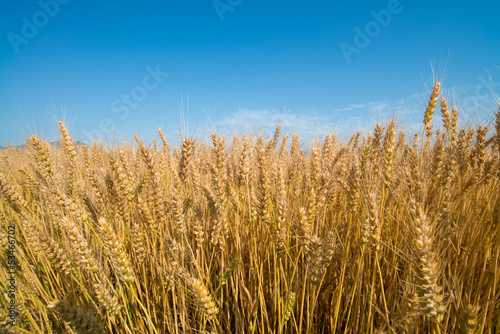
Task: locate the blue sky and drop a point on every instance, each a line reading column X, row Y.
column 115, row 68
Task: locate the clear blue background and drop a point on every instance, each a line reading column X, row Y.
column 263, row 63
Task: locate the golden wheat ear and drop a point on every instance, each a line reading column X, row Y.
column 83, row 319
column 427, row 268
column 431, row 106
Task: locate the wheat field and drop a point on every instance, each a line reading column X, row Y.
column 385, row 233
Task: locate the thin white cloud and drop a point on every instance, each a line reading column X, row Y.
column 354, row 106
column 269, row 118
column 362, row 117
column 343, row 122
column 308, row 125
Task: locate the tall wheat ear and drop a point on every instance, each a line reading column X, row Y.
column 82, row 254
column 202, row 297
column 82, row 319
column 427, row 268
column 429, row 112
column 118, row 255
